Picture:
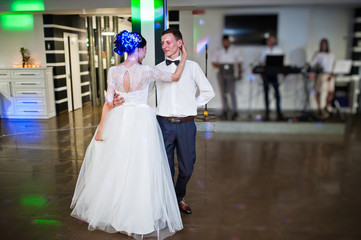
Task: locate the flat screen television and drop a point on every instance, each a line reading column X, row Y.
column 250, row 29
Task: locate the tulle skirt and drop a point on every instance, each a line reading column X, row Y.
column 125, row 184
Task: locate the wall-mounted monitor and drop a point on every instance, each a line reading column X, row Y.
column 250, row 29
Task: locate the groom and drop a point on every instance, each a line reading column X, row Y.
column 176, row 110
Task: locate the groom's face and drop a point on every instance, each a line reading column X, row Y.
column 171, row 45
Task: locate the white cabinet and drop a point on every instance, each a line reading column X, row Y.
column 351, row 83
column 29, row 94
column 6, row 94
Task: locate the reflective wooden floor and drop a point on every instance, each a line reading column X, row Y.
column 245, row 186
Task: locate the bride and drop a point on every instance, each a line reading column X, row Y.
column 125, row 184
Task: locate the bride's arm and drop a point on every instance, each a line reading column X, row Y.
column 178, row 72
column 107, row 107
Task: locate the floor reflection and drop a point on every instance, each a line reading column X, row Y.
column 244, row 186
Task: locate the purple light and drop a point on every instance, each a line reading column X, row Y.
column 201, row 45
column 157, row 25
column 193, row 229
column 258, row 117
column 286, row 221
column 251, row 77
column 208, row 126
column 201, row 184
column 208, row 135
column 241, row 206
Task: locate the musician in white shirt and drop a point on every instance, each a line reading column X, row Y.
column 325, row 81
column 228, row 62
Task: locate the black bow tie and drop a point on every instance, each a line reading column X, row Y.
column 169, row 62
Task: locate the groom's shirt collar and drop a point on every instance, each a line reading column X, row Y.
column 178, row 58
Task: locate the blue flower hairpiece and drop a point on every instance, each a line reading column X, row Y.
column 127, row 42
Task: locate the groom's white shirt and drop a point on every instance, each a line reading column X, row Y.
column 180, row 99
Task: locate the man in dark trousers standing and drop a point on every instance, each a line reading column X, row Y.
column 271, row 49
column 177, row 108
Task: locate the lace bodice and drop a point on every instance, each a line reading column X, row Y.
column 141, row 76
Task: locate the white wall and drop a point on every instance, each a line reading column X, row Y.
column 12, row 41
column 299, row 32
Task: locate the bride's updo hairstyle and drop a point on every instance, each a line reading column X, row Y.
column 128, row 42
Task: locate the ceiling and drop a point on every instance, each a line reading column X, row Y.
column 122, row 7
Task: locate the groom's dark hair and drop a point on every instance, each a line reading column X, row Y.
column 177, row 34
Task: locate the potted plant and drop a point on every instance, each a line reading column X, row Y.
column 25, row 54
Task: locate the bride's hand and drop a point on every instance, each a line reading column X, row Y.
column 184, row 49
column 178, row 72
column 98, row 136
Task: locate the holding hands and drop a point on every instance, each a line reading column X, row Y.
column 117, row 101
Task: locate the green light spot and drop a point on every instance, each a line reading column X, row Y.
column 158, row 10
column 47, row 222
column 17, row 22
column 34, row 200
column 27, row 5
column 135, row 10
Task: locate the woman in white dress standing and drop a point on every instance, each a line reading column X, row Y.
column 125, row 184
column 325, row 82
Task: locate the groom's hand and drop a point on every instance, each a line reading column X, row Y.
column 117, row 101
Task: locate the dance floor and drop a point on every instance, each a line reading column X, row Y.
column 246, row 186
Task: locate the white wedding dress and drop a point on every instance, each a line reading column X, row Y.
column 125, row 184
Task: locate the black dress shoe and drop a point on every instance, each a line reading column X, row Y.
column 234, row 116
column 184, row 207
column 224, row 115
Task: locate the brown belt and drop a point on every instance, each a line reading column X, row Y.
column 179, row 120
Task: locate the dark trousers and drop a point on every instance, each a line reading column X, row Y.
column 180, row 136
column 227, row 85
column 273, row 80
